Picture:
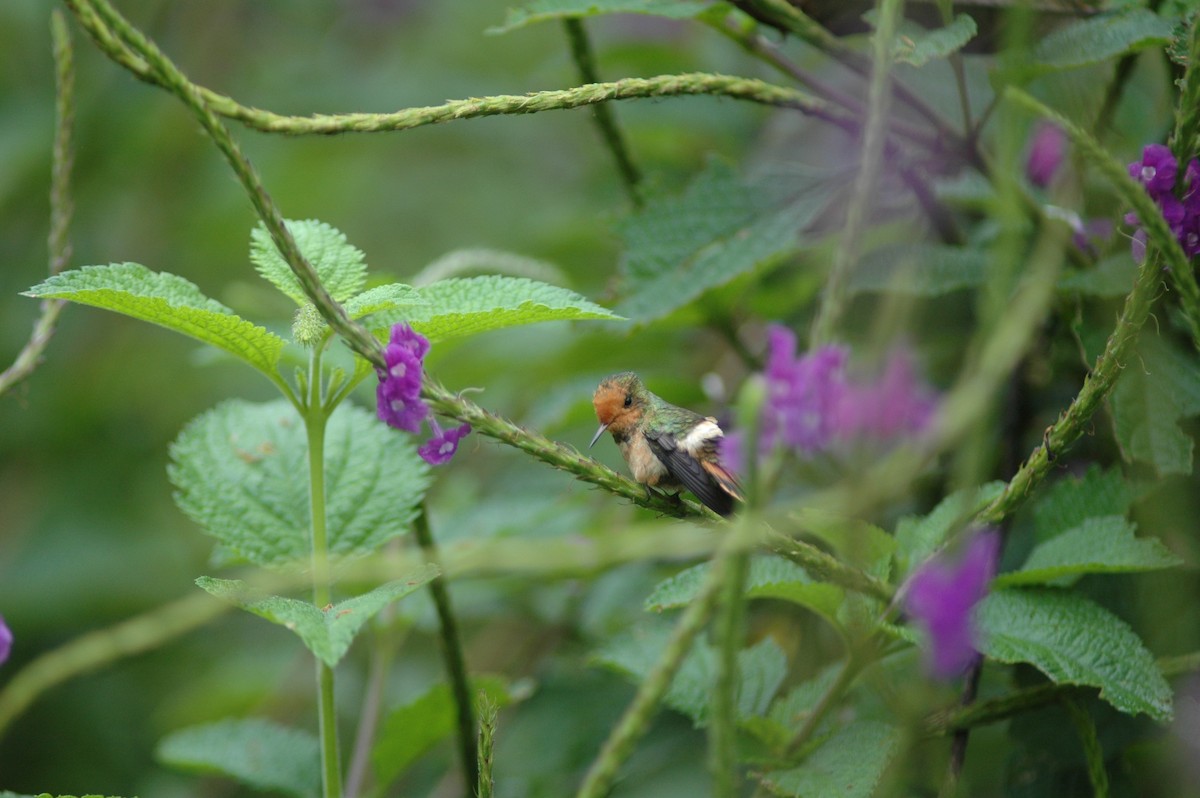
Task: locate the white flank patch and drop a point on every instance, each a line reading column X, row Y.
column 701, row 434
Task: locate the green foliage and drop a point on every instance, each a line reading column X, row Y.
column 849, row 764
column 168, row 301
column 917, row 46
column 341, row 267
column 410, row 731
column 918, row 538
column 1100, row 38
column 382, row 298
column 1073, row 500
column 326, row 631
column 462, row 306
column 761, row 670
column 1074, row 641
column 1160, row 389
column 859, row 543
column 1103, row 544
column 921, row 270
column 768, row 577
column 548, row 10
column 1111, row 277
column 239, row 471
column 253, row 751
column 678, row 247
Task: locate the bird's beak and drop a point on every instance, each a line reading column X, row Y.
column 596, row 437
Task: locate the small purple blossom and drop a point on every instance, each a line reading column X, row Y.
column 6, row 640
column 1049, row 145
column 802, row 393
column 441, row 447
column 1156, row 171
column 398, row 396
column 941, row 596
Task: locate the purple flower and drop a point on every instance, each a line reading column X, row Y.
column 398, row 396
column 802, row 393
column 441, row 447
column 1046, row 152
column 6, row 640
column 1156, row 171
column 729, row 452
column 896, row 405
column 941, row 597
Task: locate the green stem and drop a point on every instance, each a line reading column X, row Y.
column 827, row 701
column 62, row 159
column 636, row 718
column 834, row 300
column 728, row 632
column 585, row 62
column 487, row 734
column 1092, row 752
column 452, row 655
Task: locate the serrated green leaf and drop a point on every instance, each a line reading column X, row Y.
column 341, row 266
column 255, row 752
column 1158, row 389
column 923, row 270
column 768, row 577
column 383, row 297
column 678, row 247
column 549, row 10
column 326, row 632
column 1074, row 641
column 1072, row 500
column 1111, row 277
column 470, row 305
column 1105, row 544
column 917, row 46
column 761, row 669
column 411, row 730
column 918, row 538
column 847, row 765
column 241, row 472
column 1100, row 38
column 168, row 301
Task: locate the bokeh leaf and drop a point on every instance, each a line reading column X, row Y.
column 254, row 751
column 1157, row 390
column 341, row 266
column 326, row 632
column 1099, row 38
column 166, row 300
column 241, row 472
column 922, row 270
column 918, row 538
column 463, row 306
column 849, row 764
column 768, row 577
column 1105, row 544
column 917, row 46
column 550, row 10
column 411, row 730
column 1074, row 641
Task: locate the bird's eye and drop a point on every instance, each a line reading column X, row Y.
column 628, row 399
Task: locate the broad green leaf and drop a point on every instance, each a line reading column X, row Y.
column 411, row 730
column 326, row 632
column 1072, row 500
column 544, row 10
column 168, row 301
column 790, row 712
column 761, row 669
column 464, row 306
column 862, row 544
column 1159, row 388
column 1105, row 544
column 256, row 752
column 383, row 297
column 768, row 577
column 1100, row 38
column 477, row 260
column 847, row 765
column 241, row 470
column 1074, row 641
column 1111, row 277
column 678, row 247
column 918, row 538
column 341, row 267
column 923, row 270
column 918, row 46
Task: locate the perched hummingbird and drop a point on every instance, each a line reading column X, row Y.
column 664, row 445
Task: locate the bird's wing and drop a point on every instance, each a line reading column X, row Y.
column 690, row 472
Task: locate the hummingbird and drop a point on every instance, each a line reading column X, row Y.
column 665, row 446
